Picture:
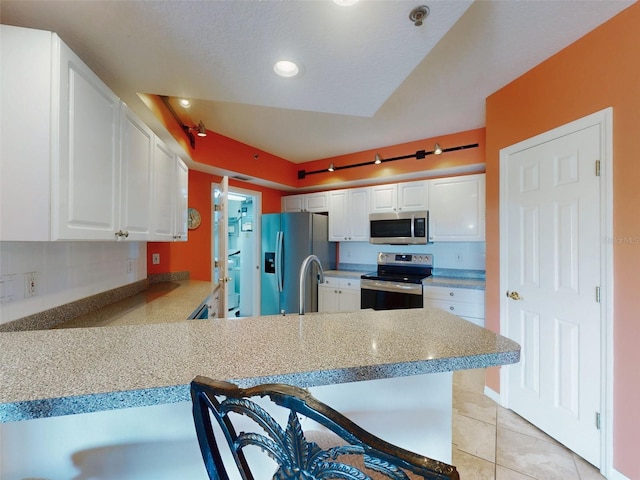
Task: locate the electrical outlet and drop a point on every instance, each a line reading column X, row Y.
column 130, row 265
column 155, row 259
column 30, row 284
column 458, row 258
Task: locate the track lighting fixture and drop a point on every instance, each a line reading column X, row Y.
column 202, row 132
column 200, row 129
column 419, row 155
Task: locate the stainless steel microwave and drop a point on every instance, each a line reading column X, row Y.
column 399, row 228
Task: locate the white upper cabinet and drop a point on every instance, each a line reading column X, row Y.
column 85, row 183
column 181, row 218
column 306, row 202
column 349, row 215
column 75, row 162
column 60, row 147
column 136, row 177
column 396, row 197
column 169, row 195
column 26, row 155
column 457, row 209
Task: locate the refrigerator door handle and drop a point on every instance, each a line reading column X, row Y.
column 279, row 265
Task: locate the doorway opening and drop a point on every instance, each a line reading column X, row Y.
column 244, row 209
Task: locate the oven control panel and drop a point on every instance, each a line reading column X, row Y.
column 409, row 259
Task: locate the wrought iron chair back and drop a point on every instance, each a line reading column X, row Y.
column 356, row 455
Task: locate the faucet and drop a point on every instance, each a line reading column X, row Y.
column 304, row 267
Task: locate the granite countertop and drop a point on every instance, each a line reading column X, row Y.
column 345, row 273
column 164, row 302
column 455, row 282
column 77, row 370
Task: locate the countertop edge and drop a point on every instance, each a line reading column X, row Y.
column 52, row 407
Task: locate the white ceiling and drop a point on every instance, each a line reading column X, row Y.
column 370, row 78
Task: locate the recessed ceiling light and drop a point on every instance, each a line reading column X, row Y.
column 345, row 3
column 286, row 68
column 185, row 102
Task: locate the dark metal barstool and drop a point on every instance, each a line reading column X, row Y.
column 347, row 451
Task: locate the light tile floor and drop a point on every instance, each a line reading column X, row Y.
column 493, row 443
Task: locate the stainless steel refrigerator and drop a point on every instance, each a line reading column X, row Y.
column 287, row 239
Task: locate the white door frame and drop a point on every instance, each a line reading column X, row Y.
column 257, row 226
column 604, row 119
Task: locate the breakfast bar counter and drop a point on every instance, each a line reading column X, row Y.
column 113, row 402
column 69, row 371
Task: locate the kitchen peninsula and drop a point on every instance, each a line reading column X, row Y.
column 77, row 371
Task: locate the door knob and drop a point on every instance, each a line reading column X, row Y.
column 514, row 295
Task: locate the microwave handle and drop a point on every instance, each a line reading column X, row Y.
column 413, row 226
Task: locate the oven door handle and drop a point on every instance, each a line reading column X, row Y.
column 408, row 288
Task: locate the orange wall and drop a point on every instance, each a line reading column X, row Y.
column 600, row 70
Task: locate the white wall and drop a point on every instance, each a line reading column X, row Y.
column 65, row 272
column 457, row 255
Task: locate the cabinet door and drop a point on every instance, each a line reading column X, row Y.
column 456, row 209
column 358, row 215
column 338, row 216
column 293, row 203
column 349, row 300
column 181, row 201
column 383, row 198
column 316, row 202
column 136, row 177
column 85, row 185
column 164, row 167
column 413, row 196
column 327, row 299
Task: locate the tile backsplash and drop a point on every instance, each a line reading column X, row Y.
column 36, row 276
column 449, row 255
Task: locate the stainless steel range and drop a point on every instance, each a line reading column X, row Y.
column 398, row 281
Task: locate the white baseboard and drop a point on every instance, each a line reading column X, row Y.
column 493, row 395
column 615, row 475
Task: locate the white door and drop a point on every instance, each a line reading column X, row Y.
column 220, row 274
column 553, row 255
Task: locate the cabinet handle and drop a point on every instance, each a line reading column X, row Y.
column 451, row 308
column 335, row 291
column 451, row 293
column 339, row 291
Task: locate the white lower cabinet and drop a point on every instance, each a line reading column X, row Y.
column 339, row 295
column 464, row 302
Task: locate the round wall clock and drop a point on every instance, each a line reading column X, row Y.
column 194, row 218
